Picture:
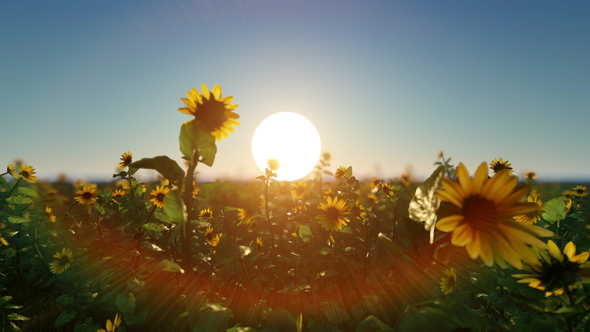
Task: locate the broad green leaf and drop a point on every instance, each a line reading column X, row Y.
column 173, row 205
column 425, row 203
column 65, row 317
column 65, row 300
column 168, row 266
column 305, row 233
column 126, row 303
column 348, row 172
column 167, row 167
column 15, row 200
column 228, row 194
column 194, row 135
column 17, row 220
column 154, row 226
column 554, row 210
column 27, row 191
column 335, row 314
column 372, row 324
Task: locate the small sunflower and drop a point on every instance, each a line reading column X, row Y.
column 212, row 238
column 376, row 182
column 535, row 193
column 327, row 156
column 4, row 242
column 157, row 195
column 299, row 189
column 205, row 213
column 568, row 206
column 112, row 326
column 374, row 200
column 530, row 175
column 273, row 164
column 440, row 155
column 387, row 189
column 10, row 169
column 334, row 211
column 553, row 271
column 122, row 184
column 195, row 189
column 448, row 283
column 62, row 261
column 126, row 159
column 246, row 216
column 118, row 193
column 580, row 191
column 26, row 172
column 340, row 172
column 214, row 111
column 532, row 217
column 51, row 194
column 330, row 193
column 406, row 179
column 87, row 195
column 259, row 243
column 479, row 212
column 499, row 165
column 49, row 214
column 568, row 195
column 357, row 210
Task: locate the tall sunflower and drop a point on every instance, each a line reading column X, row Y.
column 10, row 169
column 157, row 195
column 357, row 210
column 532, row 217
column 387, row 189
column 299, row 189
column 126, row 159
column 62, row 261
column 552, row 271
column 26, row 172
column 568, row 195
column 87, row 195
column 498, row 165
column 580, row 191
column 214, row 111
column 327, row 156
column 49, row 214
column 334, row 211
column 479, row 213
column 273, row 164
column 448, row 283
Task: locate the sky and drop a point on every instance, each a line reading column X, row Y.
column 387, row 84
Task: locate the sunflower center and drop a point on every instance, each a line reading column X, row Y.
column 332, row 213
column 479, row 212
column 25, row 174
column 160, row 197
column 64, row 260
column 87, row 195
column 212, row 113
column 556, row 274
column 579, row 191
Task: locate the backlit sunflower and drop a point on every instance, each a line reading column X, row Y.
column 246, row 216
column 273, row 164
column 406, row 179
column 386, row 187
column 259, row 243
column 340, row 172
column 330, row 193
column 334, row 211
column 10, row 169
column 531, row 217
column 448, row 283
column 86, row 195
column 375, row 182
column 499, row 165
column 125, row 160
column 530, row 175
column 49, row 214
column 440, row 155
column 212, row 238
column 580, row 191
column 327, row 156
column 157, row 195
column 553, row 271
column 568, row 195
column 214, row 111
column 26, row 172
column 299, row 189
column 62, row 261
column 374, row 200
column 479, row 212
column 112, row 326
column 205, row 213
column 357, row 210
column 118, row 193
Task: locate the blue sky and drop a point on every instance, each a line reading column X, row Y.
column 386, row 83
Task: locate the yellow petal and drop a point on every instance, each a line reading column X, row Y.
column 448, row 224
column 462, row 235
column 480, row 177
column 554, row 251
column 446, row 197
column 570, row 250
column 463, row 178
column 205, row 91
column 581, row 258
column 216, row 92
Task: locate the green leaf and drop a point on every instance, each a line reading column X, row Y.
column 27, row 191
column 154, row 226
column 348, row 172
column 554, row 210
column 335, row 314
column 65, row 300
column 305, row 233
column 167, row 167
column 228, row 194
column 425, row 203
column 126, row 303
column 5, row 299
column 17, row 220
column 194, row 135
column 168, row 266
column 372, row 324
column 280, row 319
column 15, row 200
column 228, row 254
column 173, row 205
column 65, row 317
column 215, row 321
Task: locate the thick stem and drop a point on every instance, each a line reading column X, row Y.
column 187, row 257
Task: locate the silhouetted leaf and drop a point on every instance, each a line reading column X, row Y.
column 167, row 167
column 173, row 205
column 425, row 203
column 194, row 135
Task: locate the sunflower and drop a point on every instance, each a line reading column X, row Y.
column 259, row 243
column 333, row 218
column 10, row 169
column 448, row 283
column 499, row 165
column 62, row 261
column 158, row 194
column 580, row 191
column 374, row 200
column 51, row 194
column 406, row 180
column 213, row 110
column 125, row 160
column 26, row 172
column 535, row 193
column 568, row 206
column 330, row 193
column 479, row 212
column 375, row 182
column 440, row 155
column 246, row 215
column 358, row 210
column 568, row 195
column 4, row 242
column 386, row 187
column 531, row 217
column 530, row 175
column 212, row 238
column 273, row 164
column 195, row 189
column 119, row 193
column 327, row 156
column 553, row 271
column 122, row 184
column 112, row 326
column 340, row 172
column 299, row 189
column 206, row 213
column 49, row 214
column 87, row 195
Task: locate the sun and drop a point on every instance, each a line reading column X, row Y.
column 292, row 140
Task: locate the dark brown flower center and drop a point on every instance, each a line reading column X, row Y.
column 479, row 212
column 160, row 197
column 25, row 174
column 556, row 274
column 579, row 191
column 64, row 260
column 332, row 213
column 87, row 195
column 212, row 113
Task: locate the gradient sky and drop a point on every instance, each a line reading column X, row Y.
column 386, row 83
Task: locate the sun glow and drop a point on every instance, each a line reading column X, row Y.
column 292, row 140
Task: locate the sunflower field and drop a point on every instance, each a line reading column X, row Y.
column 466, row 250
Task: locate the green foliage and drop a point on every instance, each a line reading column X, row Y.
column 167, row 167
column 195, row 136
column 554, row 210
column 228, row 194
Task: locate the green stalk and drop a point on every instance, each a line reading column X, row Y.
column 272, row 236
column 187, row 257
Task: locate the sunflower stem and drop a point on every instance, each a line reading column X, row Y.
column 272, row 236
column 39, row 252
column 188, row 202
column 10, row 192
